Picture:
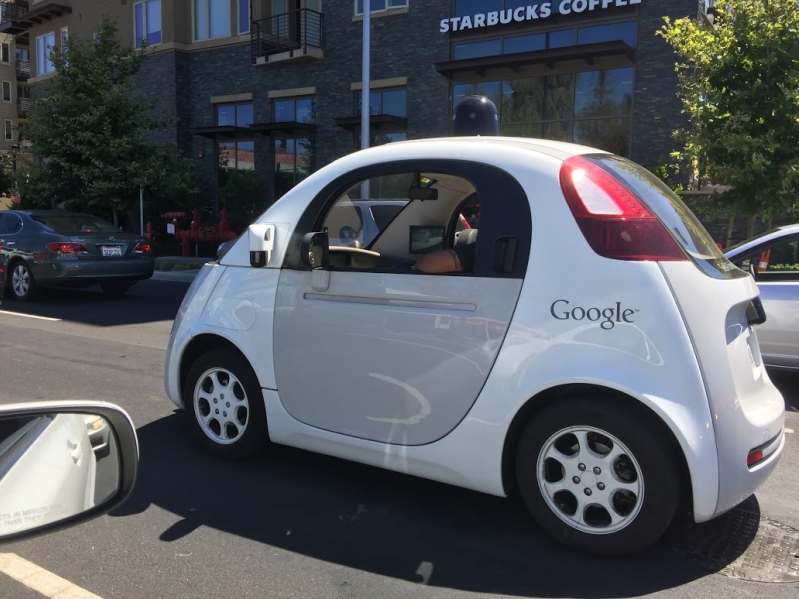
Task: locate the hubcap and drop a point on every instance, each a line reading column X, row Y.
column 221, row 406
column 590, row 480
column 20, row 281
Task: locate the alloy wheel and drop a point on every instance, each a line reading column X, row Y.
column 221, row 406
column 20, row 281
column 590, row 480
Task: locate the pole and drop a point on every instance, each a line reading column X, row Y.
column 365, row 85
column 141, row 209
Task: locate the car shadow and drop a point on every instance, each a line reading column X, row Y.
column 146, row 301
column 788, row 384
column 381, row 522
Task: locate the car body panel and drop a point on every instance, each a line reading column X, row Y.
column 642, row 343
column 779, row 292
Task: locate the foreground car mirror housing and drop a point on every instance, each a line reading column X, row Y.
column 61, row 464
column 315, row 250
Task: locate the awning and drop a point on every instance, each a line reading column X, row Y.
column 285, row 129
column 225, row 133
column 383, row 123
column 602, row 55
column 16, row 24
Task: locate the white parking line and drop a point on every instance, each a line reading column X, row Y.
column 40, row 580
column 30, row 316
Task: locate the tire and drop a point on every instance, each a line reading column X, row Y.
column 638, row 478
column 21, row 282
column 118, row 289
column 221, row 427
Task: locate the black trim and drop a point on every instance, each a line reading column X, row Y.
column 21, row 23
column 510, row 219
column 225, row 133
column 285, row 130
column 383, row 123
column 551, row 59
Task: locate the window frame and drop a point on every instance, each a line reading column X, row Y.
column 8, row 130
column 294, row 101
column 6, row 50
column 208, row 37
column 10, row 93
column 379, row 10
column 754, row 253
column 137, row 41
column 43, row 57
column 381, row 91
column 249, row 16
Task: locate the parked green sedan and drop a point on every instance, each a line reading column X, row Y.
column 42, row 248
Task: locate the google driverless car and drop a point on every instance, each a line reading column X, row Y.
column 583, row 343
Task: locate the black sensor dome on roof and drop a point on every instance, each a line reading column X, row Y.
column 475, row 115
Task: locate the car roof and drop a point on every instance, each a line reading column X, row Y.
column 772, row 235
column 558, row 149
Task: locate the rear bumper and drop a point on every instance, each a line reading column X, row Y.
column 94, row 271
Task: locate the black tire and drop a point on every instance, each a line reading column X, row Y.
column 659, row 474
column 31, row 289
column 116, row 289
column 255, row 435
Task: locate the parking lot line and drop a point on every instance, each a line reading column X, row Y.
column 30, row 316
column 40, row 580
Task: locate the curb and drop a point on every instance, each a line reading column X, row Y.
column 180, row 276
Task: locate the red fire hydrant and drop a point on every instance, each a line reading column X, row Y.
column 196, row 233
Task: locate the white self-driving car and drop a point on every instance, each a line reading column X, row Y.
column 584, row 342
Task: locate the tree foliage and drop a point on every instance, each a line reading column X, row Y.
column 92, row 135
column 244, row 197
column 739, row 85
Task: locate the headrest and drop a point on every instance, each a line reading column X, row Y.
column 466, row 237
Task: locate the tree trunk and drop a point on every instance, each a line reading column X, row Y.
column 730, row 228
column 750, row 226
column 770, row 223
column 116, row 216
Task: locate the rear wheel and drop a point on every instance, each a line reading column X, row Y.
column 116, row 289
column 225, row 405
column 597, row 476
column 21, row 282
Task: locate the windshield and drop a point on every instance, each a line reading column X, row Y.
column 683, row 225
column 67, row 224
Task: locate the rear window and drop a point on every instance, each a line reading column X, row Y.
column 678, row 219
column 71, row 224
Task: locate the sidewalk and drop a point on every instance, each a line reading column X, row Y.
column 184, row 273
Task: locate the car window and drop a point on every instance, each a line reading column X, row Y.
column 781, row 257
column 10, row 224
column 66, row 224
column 383, row 214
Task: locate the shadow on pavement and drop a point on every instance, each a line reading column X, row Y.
column 381, row 522
column 788, row 384
column 146, row 301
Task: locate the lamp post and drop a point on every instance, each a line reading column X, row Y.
column 365, row 87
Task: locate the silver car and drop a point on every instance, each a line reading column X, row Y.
column 773, row 260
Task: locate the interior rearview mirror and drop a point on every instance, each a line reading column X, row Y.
column 315, row 250
column 62, row 464
column 262, row 241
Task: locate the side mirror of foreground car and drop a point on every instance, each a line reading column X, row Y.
column 63, row 463
column 315, row 250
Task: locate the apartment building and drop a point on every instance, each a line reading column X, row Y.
column 274, row 86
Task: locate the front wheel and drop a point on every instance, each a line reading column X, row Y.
column 597, row 476
column 225, row 405
column 22, row 284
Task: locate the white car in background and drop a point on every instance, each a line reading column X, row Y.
column 588, row 344
column 773, row 260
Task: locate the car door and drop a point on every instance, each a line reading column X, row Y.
column 776, row 267
column 10, row 228
column 385, row 353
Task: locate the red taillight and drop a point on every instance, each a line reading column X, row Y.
column 67, row 248
column 613, row 220
column 754, row 457
column 143, row 248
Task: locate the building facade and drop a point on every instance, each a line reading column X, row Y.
column 274, row 86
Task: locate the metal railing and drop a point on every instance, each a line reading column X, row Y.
column 288, row 31
column 9, row 11
column 23, row 68
column 24, row 106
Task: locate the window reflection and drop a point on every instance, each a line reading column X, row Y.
column 604, row 93
column 477, row 49
column 294, row 161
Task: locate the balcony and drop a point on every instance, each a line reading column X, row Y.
column 24, row 106
column 293, row 36
column 17, row 17
column 23, row 68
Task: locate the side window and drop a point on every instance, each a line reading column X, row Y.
column 781, row 258
column 9, row 224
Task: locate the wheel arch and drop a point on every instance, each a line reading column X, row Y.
column 549, row 396
column 199, row 345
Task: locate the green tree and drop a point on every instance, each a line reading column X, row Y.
column 92, row 135
column 739, row 85
column 244, row 197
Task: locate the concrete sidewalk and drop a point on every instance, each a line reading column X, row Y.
column 183, row 275
column 175, row 276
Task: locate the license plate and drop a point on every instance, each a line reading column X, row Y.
column 112, row 250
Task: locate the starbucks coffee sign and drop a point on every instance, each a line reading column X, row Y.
column 530, row 13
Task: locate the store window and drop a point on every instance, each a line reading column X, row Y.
column 44, row 45
column 211, row 19
column 380, row 5
column 294, row 157
column 147, row 22
column 302, row 110
column 592, row 108
column 392, row 102
column 234, row 155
